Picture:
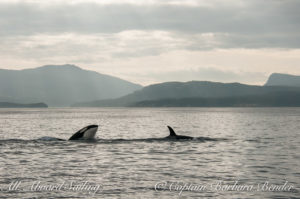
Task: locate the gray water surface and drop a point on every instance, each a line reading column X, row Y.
column 250, row 147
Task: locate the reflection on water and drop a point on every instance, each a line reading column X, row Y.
column 250, row 147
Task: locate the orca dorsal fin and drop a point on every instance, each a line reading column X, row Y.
column 172, row 132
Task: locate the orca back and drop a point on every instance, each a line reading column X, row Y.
column 177, row 137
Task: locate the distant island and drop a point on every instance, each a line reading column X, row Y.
column 70, row 86
column 278, row 79
column 60, row 85
column 204, row 94
column 16, row 105
column 284, row 99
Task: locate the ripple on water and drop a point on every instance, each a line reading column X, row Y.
column 249, row 145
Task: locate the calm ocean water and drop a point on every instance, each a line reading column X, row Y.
column 256, row 153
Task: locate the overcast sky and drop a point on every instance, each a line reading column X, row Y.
column 150, row 41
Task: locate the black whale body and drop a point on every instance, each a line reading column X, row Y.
column 89, row 132
column 173, row 135
column 86, row 133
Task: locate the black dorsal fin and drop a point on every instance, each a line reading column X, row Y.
column 172, row 132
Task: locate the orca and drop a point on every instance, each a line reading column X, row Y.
column 86, row 133
column 173, row 135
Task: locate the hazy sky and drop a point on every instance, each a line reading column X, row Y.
column 149, row 41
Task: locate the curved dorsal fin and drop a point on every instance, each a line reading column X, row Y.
column 172, row 132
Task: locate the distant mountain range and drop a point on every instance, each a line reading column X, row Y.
column 203, row 93
column 69, row 85
column 277, row 79
column 60, row 85
column 276, row 99
column 15, row 105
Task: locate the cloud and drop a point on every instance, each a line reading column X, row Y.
column 91, row 47
column 156, row 40
column 254, row 24
column 228, row 65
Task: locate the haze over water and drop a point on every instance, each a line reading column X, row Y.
column 252, row 146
